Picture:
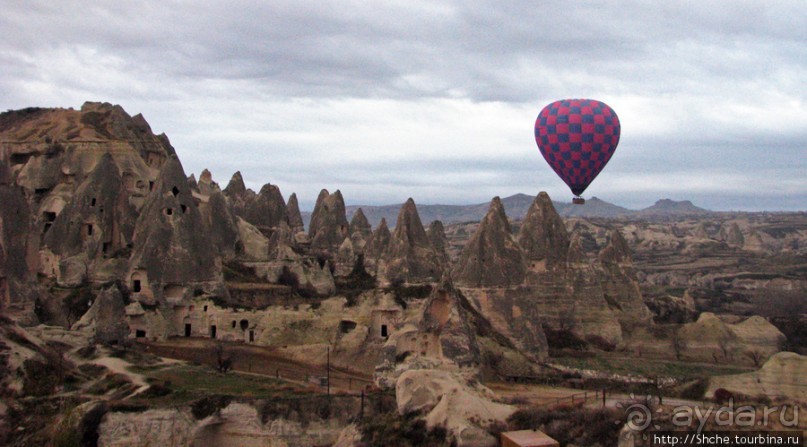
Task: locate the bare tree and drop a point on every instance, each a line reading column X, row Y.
column 566, row 320
column 755, row 355
column 679, row 344
column 724, row 342
column 224, row 357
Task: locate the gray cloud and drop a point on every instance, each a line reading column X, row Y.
column 436, row 99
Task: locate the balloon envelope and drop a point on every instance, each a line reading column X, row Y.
column 577, row 137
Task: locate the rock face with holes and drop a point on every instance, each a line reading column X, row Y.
column 171, row 244
column 93, row 228
column 410, row 257
column 84, row 175
column 448, row 316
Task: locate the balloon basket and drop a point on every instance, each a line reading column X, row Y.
column 578, row 201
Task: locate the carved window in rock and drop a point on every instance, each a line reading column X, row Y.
column 175, row 191
column 244, row 324
column 346, row 326
column 384, row 331
column 137, row 282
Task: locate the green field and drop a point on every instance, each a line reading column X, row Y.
column 649, row 367
column 190, row 382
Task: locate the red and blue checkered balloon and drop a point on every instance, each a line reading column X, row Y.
column 577, row 137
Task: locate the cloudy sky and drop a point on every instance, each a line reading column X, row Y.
column 437, row 99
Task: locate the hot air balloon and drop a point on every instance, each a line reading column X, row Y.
column 577, row 137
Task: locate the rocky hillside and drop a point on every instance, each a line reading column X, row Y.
column 107, row 240
column 517, row 205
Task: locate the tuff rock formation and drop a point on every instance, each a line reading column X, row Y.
column 237, row 191
column 410, row 257
column 619, row 282
column 98, row 222
column 51, row 151
column 345, row 258
column 446, row 314
column 105, row 321
column 268, row 209
column 437, row 236
column 711, row 339
column 733, row 236
column 172, row 246
column 293, row 212
column 206, row 185
column 376, row 246
column 18, row 264
column 328, row 226
column 551, row 282
column 359, row 224
column 449, row 402
column 491, row 257
column 222, row 224
column 543, row 235
column 782, row 375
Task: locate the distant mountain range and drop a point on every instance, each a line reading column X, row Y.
column 516, row 207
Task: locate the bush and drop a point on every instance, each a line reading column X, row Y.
column 600, row 343
column 209, row 405
column 722, row 395
column 88, row 427
column 40, row 378
column 564, row 339
column 392, row 429
column 695, row 390
column 571, row 424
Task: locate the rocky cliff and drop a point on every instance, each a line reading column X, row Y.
column 491, row 257
column 329, row 226
column 410, row 257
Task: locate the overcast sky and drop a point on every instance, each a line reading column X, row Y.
column 437, row 100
